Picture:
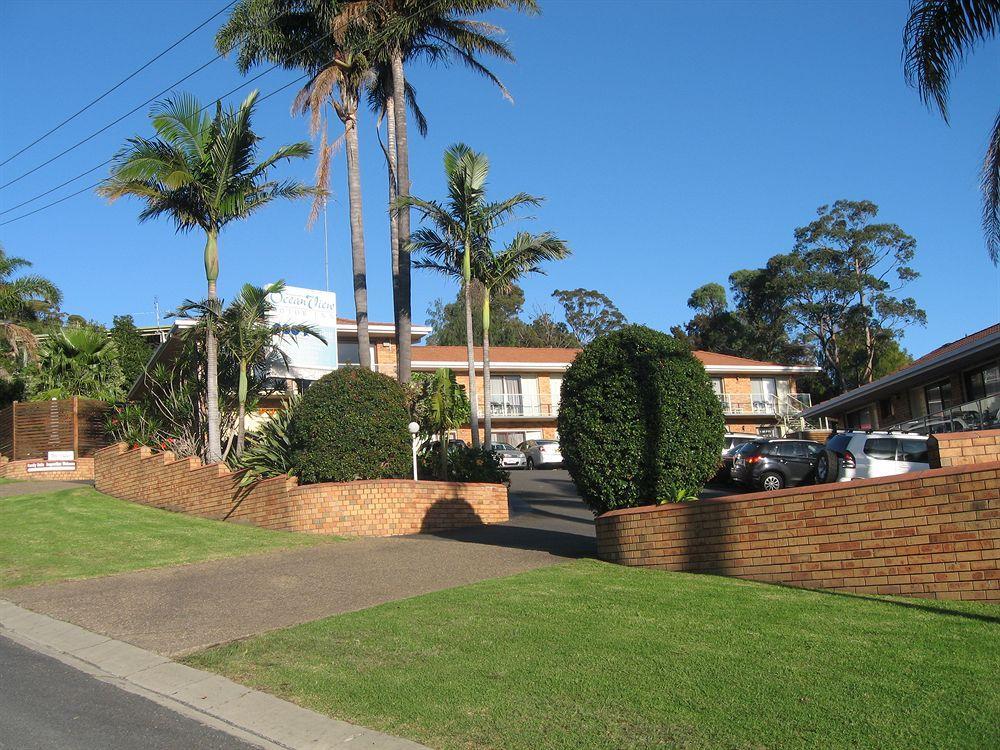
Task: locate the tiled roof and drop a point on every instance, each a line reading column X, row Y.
column 548, row 354
column 952, row 346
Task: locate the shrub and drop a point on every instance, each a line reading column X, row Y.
column 268, row 452
column 638, row 421
column 465, row 464
column 351, row 424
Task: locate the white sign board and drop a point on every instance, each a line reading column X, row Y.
column 309, row 358
column 61, row 456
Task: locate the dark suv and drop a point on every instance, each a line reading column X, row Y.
column 773, row 464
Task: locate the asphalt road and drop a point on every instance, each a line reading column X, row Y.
column 47, row 705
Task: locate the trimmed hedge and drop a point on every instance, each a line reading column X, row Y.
column 351, row 424
column 638, row 420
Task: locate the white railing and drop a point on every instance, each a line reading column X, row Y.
column 517, row 405
column 764, row 404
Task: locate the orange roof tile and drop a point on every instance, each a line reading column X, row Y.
column 548, row 354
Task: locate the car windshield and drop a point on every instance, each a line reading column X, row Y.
column 747, row 448
column 547, row 442
column 502, row 447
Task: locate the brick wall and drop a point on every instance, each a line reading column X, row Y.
column 19, row 470
column 386, row 507
column 960, row 448
column 933, row 533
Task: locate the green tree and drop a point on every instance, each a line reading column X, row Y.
column 499, row 272
column 842, row 279
column 202, row 171
column 77, row 362
column 459, row 227
column 250, row 340
column 589, row 313
column 19, row 297
column 439, row 405
column 938, row 36
column 133, row 350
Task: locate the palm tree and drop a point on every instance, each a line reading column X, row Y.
column 202, row 172
column 18, row 296
column 461, row 227
column 444, row 397
column 500, row 272
column 251, row 340
column 937, row 37
column 78, row 361
column 309, row 35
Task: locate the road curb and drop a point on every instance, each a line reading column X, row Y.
column 251, row 715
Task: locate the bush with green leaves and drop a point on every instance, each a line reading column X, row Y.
column 351, row 424
column 268, row 449
column 638, row 420
column 465, row 464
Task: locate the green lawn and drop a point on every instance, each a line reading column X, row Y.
column 589, row 655
column 80, row 533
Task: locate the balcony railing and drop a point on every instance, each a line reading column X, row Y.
column 518, row 405
column 981, row 414
column 764, row 405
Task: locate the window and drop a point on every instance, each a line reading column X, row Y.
column 763, row 395
column 983, row 382
column 885, row 408
column 883, row 449
column 913, row 450
column 860, row 419
column 717, row 386
column 784, row 450
column 938, row 396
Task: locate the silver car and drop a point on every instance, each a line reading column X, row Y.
column 865, row 455
column 508, row 456
column 541, row 453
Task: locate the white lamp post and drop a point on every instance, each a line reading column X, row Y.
column 414, row 428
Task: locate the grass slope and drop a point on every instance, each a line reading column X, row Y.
column 590, row 655
column 80, row 533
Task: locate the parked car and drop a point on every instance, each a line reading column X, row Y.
column 773, row 464
column 863, row 455
column 541, row 453
column 733, row 442
column 435, row 445
column 508, row 456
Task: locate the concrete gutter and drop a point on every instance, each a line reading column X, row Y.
column 250, row 715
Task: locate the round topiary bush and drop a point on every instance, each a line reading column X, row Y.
column 351, row 424
column 638, row 420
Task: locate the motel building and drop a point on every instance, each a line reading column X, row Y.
column 526, row 382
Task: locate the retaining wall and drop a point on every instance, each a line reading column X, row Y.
column 384, row 507
column 84, row 470
column 933, row 533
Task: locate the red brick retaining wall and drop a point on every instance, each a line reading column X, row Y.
column 933, row 533
column 961, row 448
column 384, row 507
column 84, row 470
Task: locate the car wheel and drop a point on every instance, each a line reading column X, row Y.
column 772, row 481
column 531, row 464
column 823, row 469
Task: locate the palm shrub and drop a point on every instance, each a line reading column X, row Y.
column 465, row 464
column 351, row 424
column 439, row 405
column 268, row 451
column 638, row 421
column 80, row 361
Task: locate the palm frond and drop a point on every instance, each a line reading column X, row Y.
column 991, row 193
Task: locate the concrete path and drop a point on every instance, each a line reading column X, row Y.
column 177, row 610
column 106, row 700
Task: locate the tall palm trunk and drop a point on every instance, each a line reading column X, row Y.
column 213, row 451
column 390, row 157
column 487, row 386
column 471, row 351
column 404, row 313
column 357, row 236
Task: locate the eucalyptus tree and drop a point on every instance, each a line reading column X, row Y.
column 18, row 296
column 457, row 229
column 250, row 339
column 202, row 171
column 938, row 36
column 500, row 272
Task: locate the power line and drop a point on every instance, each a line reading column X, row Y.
column 213, row 100
column 118, row 85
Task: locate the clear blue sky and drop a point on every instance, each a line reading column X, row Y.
column 675, row 142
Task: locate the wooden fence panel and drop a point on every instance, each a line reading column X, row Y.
column 34, row 428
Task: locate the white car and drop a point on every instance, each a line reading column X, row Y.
column 541, row 453
column 865, row 455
